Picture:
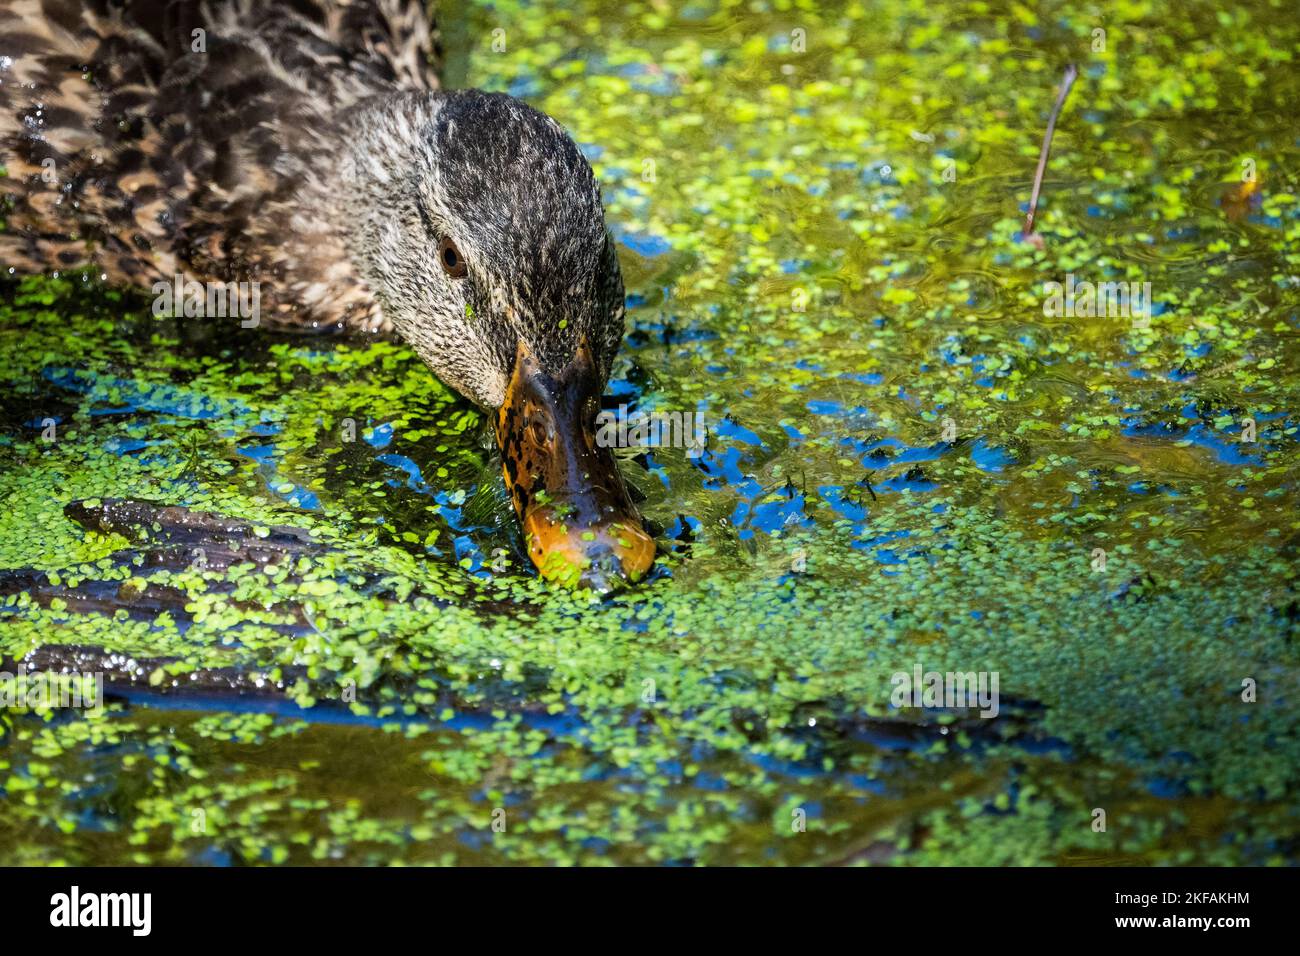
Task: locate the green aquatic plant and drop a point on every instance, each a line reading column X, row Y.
column 910, row 462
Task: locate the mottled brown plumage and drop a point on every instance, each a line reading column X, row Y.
column 146, row 138
column 305, row 145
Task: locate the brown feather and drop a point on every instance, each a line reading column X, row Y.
column 132, row 153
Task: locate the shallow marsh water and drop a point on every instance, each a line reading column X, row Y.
column 822, row 258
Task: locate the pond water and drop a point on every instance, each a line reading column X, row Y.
column 915, row 462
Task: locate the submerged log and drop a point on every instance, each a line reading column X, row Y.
column 176, row 538
column 217, row 537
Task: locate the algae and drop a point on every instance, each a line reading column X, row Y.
column 909, row 462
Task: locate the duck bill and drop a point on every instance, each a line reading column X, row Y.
column 578, row 522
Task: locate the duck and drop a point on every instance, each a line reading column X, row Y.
column 309, row 147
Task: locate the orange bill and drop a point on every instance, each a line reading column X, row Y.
column 579, row 524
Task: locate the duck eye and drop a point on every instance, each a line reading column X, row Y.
column 452, row 261
column 539, row 430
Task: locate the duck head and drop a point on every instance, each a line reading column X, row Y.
column 478, row 225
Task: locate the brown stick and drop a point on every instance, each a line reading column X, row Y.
column 1071, row 73
column 175, row 538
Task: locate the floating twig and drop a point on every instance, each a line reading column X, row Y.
column 1071, row 73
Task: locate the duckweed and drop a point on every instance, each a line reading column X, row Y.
column 910, row 462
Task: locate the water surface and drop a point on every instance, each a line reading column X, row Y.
column 818, row 208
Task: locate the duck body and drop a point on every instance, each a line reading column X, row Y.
column 306, row 145
column 150, row 139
